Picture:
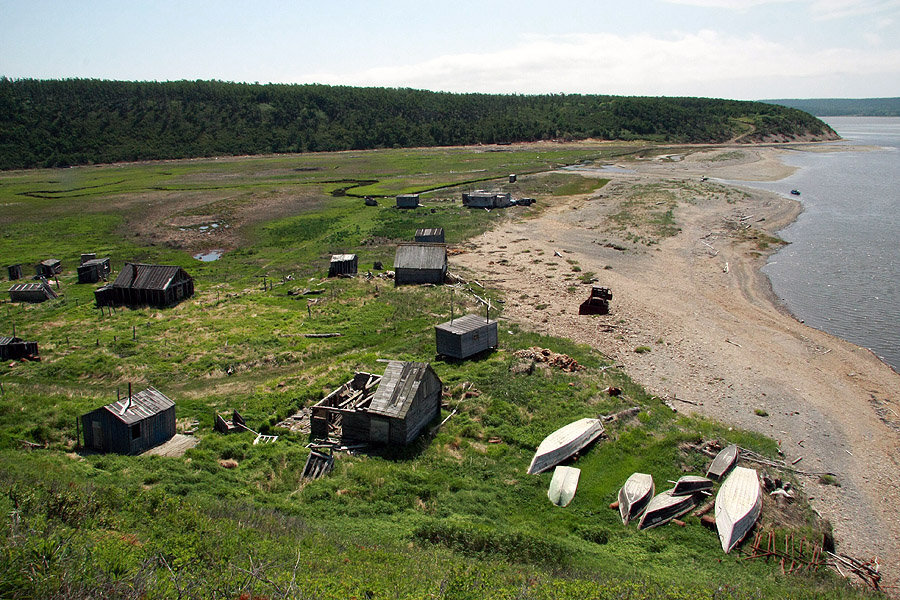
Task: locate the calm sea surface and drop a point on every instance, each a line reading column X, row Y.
column 841, row 271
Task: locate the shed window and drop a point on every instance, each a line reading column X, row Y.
column 135, row 431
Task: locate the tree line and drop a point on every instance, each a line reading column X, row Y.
column 52, row 123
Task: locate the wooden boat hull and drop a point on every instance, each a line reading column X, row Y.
column 664, row 507
column 723, row 462
column 738, row 505
column 563, row 443
column 563, row 485
column 691, row 484
column 634, row 496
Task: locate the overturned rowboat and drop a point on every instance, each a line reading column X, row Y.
column 664, row 507
column 691, row 484
column 723, row 462
column 738, row 504
column 564, row 442
column 634, row 496
column 563, row 485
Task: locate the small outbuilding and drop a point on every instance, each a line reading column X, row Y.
column 15, row 272
column 93, row 270
column 407, row 201
column 342, row 264
column 147, row 285
column 466, row 336
column 433, row 235
column 420, row 263
column 15, row 348
column 131, row 424
column 32, row 292
column 485, row 199
column 48, row 268
column 86, row 256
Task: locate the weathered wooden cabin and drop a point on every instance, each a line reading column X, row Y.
column 407, row 201
column 48, row 268
column 342, row 264
column 466, row 336
column 15, row 272
column 32, row 292
column 147, row 285
column 14, row 348
column 130, row 425
column 432, row 235
column 512, row 177
column 420, row 263
column 93, row 270
column 485, row 199
column 86, row 256
column 390, row 409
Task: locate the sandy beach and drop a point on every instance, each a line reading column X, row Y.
column 720, row 343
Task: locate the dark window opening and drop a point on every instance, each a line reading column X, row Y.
column 135, row 431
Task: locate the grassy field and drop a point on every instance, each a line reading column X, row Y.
column 452, row 516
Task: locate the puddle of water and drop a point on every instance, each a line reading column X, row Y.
column 209, row 256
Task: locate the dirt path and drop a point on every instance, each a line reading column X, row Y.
column 717, row 336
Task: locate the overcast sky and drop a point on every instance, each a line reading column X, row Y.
column 744, row 49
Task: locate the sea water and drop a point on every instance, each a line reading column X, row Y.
column 841, row 271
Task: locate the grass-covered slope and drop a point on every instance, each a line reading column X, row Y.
column 453, row 516
column 69, row 122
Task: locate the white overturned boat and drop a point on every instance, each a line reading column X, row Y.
column 723, row 462
column 634, row 496
column 691, row 484
column 737, row 506
column 563, row 443
column 563, row 485
column 664, row 507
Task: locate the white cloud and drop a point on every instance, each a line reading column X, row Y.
column 820, row 9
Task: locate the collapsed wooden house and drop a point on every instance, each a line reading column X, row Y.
column 466, row 336
column 432, row 235
column 15, row 272
column 486, row 199
column 392, row 408
column 93, row 270
column 48, row 268
column 15, row 348
column 235, row 424
column 147, row 285
column 32, row 292
column 407, row 201
column 342, row 264
column 597, row 303
column 420, row 263
column 131, row 424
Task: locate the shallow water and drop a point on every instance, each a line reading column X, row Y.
column 209, row 256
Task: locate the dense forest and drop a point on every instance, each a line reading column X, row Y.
column 847, row 107
column 82, row 121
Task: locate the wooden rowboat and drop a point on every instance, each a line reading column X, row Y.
column 634, row 496
column 737, row 506
column 664, row 507
column 723, row 462
column 689, row 484
column 563, row 485
column 564, row 442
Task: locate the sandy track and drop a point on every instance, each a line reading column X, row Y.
column 719, row 339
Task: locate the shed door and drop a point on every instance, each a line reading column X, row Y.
column 380, row 430
column 97, row 435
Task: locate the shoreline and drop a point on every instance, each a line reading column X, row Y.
column 721, row 341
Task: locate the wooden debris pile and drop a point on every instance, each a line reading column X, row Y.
column 563, row 362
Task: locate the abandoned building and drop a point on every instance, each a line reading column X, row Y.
column 512, row 177
column 466, row 336
column 432, row 235
column 131, row 424
column 14, row 348
column 342, row 264
column 236, row 423
column 597, row 303
column 15, row 272
column 86, row 256
column 392, row 408
column 32, row 292
column 420, row 263
column 93, row 270
column 147, row 285
column 485, row 199
column 48, row 268
column 407, row 201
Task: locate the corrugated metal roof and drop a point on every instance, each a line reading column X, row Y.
column 428, row 232
column 148, row 277
column 398, row 388
column 342, row 257
column 464, row 324
column 421, row 256
column 10, row 340
column 143, row 405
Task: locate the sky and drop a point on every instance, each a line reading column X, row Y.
column 740, row 49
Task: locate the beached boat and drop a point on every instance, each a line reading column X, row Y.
column 634, row 496
column 723, row 462
column 563, row 443
column 690, row 484
column 737, row 506
column 795, row 192
column 563, row 485
column 664, row 507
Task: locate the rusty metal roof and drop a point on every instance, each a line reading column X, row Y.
column 142, row 405
column 421, row 256
column 148, row 277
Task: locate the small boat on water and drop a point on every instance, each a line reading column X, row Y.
column 690, row 484
column 634, row 496
column 723, row 462
column 563, row 443
column 664, row 507
column 563, row 485
column 738, row 504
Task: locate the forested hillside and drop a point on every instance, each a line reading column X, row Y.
column 845, row 107
column 82, row 121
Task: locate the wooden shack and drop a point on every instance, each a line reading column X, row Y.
column 342, row 264
column 485, row 199
column 86, row 256
column 433, row 235
column 15, row 348
column 420, row 263
column 466, row 336
column 15, row 272
column 407, row 201
column 236, row 423
column 390, row 409
column 130, row 425
column 32, row 292
column 147, row 285
column 93, row 270
column 48, row 268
